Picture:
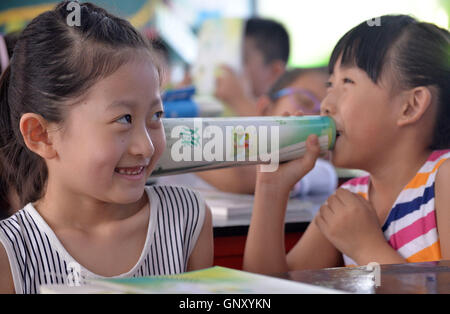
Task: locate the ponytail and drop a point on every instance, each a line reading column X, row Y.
column 22, row 171
column 5, row 138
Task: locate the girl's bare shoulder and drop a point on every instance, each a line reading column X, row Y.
column 6, row 281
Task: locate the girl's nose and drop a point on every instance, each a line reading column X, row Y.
column 142, row 144
column 327, row 107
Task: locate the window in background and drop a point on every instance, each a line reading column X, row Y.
column 316, row 26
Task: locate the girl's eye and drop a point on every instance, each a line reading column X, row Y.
column 157, row 116
column 126, row 119
column 156, row 119
column 328, row 84
column 347, row 80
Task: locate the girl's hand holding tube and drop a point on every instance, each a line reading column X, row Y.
column 289, row 173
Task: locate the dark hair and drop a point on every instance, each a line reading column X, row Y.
column 271, row 38
column 5, row 190
column 289, row 76
column 10, row 40
column 54, row 64
column 416, row 53
column 160, row 47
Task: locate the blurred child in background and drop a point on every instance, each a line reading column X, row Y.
column 265, row 55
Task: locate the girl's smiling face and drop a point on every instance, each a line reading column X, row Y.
column 110, row 141
column 365, row 116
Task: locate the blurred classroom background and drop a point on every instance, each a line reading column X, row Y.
column 313, row 26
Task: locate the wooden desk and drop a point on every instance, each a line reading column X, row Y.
column 410, row 278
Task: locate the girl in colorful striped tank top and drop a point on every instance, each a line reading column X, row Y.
column 389, row 94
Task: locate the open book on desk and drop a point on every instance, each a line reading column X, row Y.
column 231, row 205
column 206, row 281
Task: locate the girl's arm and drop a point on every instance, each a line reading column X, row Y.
column 235, row 92
column 265, row 249
column 442, row 203
column 202, row 255
column 265, row 241
column 6, row 281
column 314, row 251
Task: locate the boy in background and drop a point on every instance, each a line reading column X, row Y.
column 265, row 55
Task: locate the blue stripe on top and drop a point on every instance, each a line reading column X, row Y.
column 402, row 209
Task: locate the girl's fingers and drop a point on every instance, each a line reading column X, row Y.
column 332, row 202
column 312, row 151
column 321, row 218
column 305, row 164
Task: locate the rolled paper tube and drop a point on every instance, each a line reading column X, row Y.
column 196, row 144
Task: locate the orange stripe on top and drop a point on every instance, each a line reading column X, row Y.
column 363, row 194
column 428, row 254
column 421, row 178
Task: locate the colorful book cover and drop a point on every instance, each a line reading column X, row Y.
column 214, row 280
column 211, row 280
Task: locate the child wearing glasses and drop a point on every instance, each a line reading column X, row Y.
column 299, row 89
column 389, row 94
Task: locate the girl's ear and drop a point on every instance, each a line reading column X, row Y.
column 263, row 105
column 34, row 129
column 417, row 102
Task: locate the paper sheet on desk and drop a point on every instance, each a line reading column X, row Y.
column 211, row 280
column 228, row 205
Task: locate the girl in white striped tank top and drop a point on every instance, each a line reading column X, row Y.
column 84, row 105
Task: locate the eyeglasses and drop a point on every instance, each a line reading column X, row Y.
column 301, row 98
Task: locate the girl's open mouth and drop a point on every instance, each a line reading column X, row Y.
column 338, row 135
column 133, row 173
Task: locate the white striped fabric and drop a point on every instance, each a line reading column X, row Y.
column 37, row 257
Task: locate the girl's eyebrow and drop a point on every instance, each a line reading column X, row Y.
column 131, row 104
column 122, row 103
